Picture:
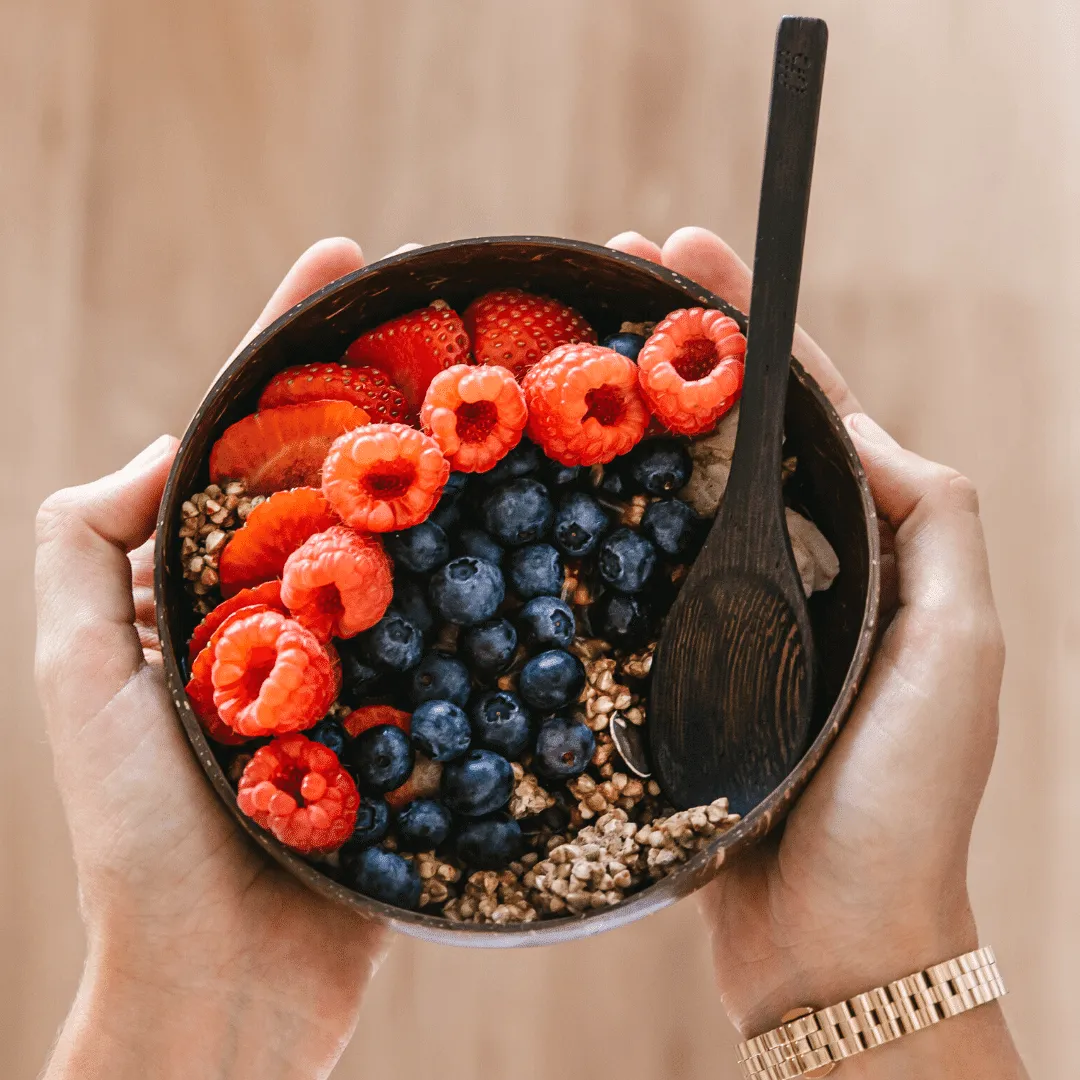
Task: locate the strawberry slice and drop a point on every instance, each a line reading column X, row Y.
column 367, row 387
column 282, row 448
column 369, row 716
column 414, row 348
column 515, row 329
column 268, row 594
column 273, row 531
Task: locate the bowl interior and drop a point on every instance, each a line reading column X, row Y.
column 607, row 287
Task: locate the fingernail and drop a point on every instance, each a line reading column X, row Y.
column 863, row 426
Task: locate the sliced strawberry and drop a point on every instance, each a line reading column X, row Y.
column 273, row 531
column 269, row 593
column 282, row 448
column 515, row 329
column 414, row 348
column 367, row 387
column 369, row 716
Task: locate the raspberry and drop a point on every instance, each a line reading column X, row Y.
column 338, row 583
column 475, row 414
column 271, row 675
column 384, row 477
column 585, row 407
column 691, row 369
column 369, row 716
column 266, row 595
column 272, row 532
column 297, row 790
column 367, row 387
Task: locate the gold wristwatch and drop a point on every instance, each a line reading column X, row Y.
column 812, row 1042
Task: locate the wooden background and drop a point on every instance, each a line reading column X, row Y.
column 161, row 165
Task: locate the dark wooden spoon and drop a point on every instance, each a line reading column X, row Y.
column 732, row 684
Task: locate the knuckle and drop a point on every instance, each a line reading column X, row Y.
column 948, row 487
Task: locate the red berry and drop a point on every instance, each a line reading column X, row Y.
column 282, row 448
column 414, row 348
column 367, row 387
column 423, row 783
column 369, row 716
column 475, row 414
column 691, row 369
column 515, row 329
column 337, row 583
column 267, row 595
column 585, row 407
column 384, row 477
column 273, row 530
column 271, row 675
column 296, row 789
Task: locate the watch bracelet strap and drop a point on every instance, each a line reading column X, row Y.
column 813, row 1044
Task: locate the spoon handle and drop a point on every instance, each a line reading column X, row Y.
column 798, row 71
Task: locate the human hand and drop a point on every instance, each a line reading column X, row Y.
column 203, row 956
column 867, row 880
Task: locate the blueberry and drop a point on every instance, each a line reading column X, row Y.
column 440, row 730
column 410, row 598
column 524, row 459
column 614, row 482
column 393, row 642
column 440, row 678
column 448, row 511
column 500, row 723
column 419, row 549
column 621, row 618
column 547, row 621
column 359, row 678
column 382, row 758
column 518, row 513
column 551, row 680
column 423, row 825
column 479, row 545
column 330, row 733
column 455, row 484
column 671, row 525
column 560, row 475
column 478, row 784
column 627, row 344
column 467, row 590
column 626, row 560
column 535, row 570
column 564, row 747
column 489, row 647
column 491, row 843
column 660, row 466
column 384, row 876
column 372, row 824
column 579, row 524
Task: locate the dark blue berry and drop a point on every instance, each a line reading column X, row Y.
column 629, row 345
column 535, row 570
column 372, row 824
column 560, row 475
column 518, row 513
column 419, row 549
column 440, row 678
column 455, row 484
column 660, row 466
column 479, row 545
column 467, row 590
column 671, row 525
column 359, row 678
column 440, row 730
column 621, row 618
column 551, row 680
column 393, row 642
column 478, row 784
column 547, row 621
column 564, row 747
column 382, row 758
column 330, row 733
column 410, row 598
column 423, row 825
column 614, row 482
column 448, row 511
column 384, row 876
column 523, row 460
column 489, row 647
column 490, row 844
column 500, row 723
column 580, row 522
column 626, row 560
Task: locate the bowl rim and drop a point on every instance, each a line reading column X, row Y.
column 696, row 871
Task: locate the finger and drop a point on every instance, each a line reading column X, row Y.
column 87, row 645
column 142, row 594
column 703, row 257
column 633, row 243
column 404, row 247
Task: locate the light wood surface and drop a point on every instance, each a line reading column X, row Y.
column 162, row 164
